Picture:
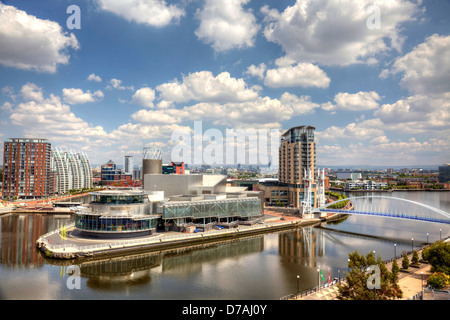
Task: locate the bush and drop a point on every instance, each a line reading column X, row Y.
column 415, row 258
column 438, row 280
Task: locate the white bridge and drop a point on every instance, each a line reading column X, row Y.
column 389, row 207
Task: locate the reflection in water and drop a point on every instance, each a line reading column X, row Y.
column 119, row 273
column 18, row 236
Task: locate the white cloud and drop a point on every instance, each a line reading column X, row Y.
column 50, row 118
column 336, row 32
column 156, row 117
column 117, row 84
column 364, row 130
column 77, row 96
column 302, row 74
column 94, row 77
column 30, row 43
column 155, row 13
column 144, row 97
column 227, row 25
column 418, row 113
column 256, row 71
column 426, row 69
column 360, row 101
column 203, row 86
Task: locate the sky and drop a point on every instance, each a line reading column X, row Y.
column 111, row 77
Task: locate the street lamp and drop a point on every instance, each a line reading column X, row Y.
column 412, row 244
column 427, row 237
column 440, row 234
column 395, row 250
column 298, row 284
column 318, row 277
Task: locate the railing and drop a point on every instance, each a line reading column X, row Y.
column 296, row 296
column 153, row 240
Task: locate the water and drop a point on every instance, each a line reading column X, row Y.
column 258, row 267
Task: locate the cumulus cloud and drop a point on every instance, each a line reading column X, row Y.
column 360, row 101
column 117, row 84
column 336, row 32
column 51, row 118
column 256, row 71
column 94, row 77
column 77, row 96
column 227, row 25
column 426, row 69
column 155, row 13
column 203, row 86
column 144, row 97
column 30, row 43
column 302, row 75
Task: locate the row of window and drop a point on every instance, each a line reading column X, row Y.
column 95, row 223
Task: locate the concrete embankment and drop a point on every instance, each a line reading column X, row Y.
column 57, row 246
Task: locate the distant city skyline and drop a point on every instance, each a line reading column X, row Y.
column 373, row 77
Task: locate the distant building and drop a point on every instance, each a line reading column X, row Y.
column 348, row 175
column 365, row 185
column 71, row 171
column 128, row 167
column 111, row 174
column 26, row 168
column 173, row 168
column 444, row 173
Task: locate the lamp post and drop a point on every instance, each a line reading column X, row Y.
column 318, row 277
column 440, row 234
column 395, row 250
column 427, row 237
column 298, row 284
column 412, row 244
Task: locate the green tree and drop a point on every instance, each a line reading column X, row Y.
column 438, row 280
column 355, row 286
column 395, row 270
column 415, row 258
column 438, row 256
column 405, row 261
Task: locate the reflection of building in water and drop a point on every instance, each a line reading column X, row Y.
column 18, row 240
column 302, row 243
column 114, row 273
column 214, row 252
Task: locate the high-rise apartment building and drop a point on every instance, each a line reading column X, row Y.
column 72, row 170
column 298, row 178
column 26, row 168
column 297, row 164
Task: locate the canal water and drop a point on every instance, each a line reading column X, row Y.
column 263, row 267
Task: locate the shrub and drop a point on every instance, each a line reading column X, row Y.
column 438, row 280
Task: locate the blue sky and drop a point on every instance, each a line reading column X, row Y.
column 373, row 77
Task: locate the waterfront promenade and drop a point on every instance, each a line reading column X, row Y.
column 411, row 283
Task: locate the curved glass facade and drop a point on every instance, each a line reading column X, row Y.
column 92, row 222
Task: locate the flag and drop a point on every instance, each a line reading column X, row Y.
column 329, row 277
column 321, row 275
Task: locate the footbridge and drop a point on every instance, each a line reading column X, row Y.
column 389, row 207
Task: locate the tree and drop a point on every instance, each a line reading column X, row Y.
column 395, row 270
column 438, row 256
column 415, row 258
column 438, row 280
column 405, row 261
column 356, row 283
